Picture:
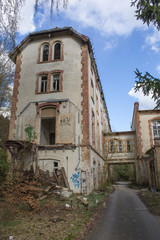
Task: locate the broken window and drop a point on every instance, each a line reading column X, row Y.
column 128, row 146
column 48, row 126
column 43, row 83
column 156, row 129
column 45, row 52
column 55, row 165
column 55, row 82
column 57, row 51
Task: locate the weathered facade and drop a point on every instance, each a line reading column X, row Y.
column 141, row 146
column 146, row 124
column 58, row 102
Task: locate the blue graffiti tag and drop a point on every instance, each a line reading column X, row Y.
column 76, row 179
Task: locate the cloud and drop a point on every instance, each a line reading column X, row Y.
column 153, row 41
column 109, row 17
column 111, row 44
column 146, row 102
column 27, row 18
column 158, row 69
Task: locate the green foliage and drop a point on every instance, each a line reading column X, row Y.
column 4, row 129
column 31, row 135
column 4, row 165
column 123, row 172
column 148, row 84
column 148, row 11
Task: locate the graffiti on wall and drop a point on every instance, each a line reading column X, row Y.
column 76, row 179
column 65, row 121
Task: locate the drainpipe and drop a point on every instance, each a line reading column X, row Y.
column 79, row 158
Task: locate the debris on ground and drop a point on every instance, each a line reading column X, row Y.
column 30, row 188
column 151, row 198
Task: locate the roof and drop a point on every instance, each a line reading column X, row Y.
column 48, row 33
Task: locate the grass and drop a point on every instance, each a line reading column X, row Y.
column 54, row 221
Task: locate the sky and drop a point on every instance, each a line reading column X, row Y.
column 120, row 43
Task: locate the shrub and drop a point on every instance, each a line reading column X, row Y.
column 4, row 165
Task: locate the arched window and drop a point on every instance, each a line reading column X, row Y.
column 57, row 50
column 45, row 52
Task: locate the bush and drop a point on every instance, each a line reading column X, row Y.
column 4, row 165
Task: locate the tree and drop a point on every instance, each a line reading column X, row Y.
column 148, row 84
column 148, row 11
column 9, row 19
column 6, row 79
column 53, row 3
column 9, row 23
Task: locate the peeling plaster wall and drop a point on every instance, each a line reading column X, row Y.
column 116, row 155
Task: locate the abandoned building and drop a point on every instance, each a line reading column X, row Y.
column 59, row 118
column 58, row 105
column 140, row 146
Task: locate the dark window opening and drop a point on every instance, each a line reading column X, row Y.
column 55, row 165
column 48, row 127
column 45, row 54
column 52, row 139
column 128, row 146
column 57, row 51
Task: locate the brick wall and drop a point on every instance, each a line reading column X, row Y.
column 15, row 97
column 85, row 95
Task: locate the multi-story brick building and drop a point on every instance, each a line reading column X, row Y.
column 58, row 96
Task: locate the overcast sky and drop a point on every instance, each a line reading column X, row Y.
column 120, row 42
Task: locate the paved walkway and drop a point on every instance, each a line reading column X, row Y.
column 126, row 218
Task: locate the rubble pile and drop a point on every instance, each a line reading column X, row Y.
column 30, row 188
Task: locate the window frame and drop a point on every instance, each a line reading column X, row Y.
column 45, row 83
column 49, row 82
column 120, row 146
column 51, row 45
column 128, row 144
column 112, row 146
column 56, row 81
column 156, row 128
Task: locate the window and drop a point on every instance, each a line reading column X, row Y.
column 57, row 51
column 43, row 83
column 93, row 127
column 128, row 146
column 112, row 146
column 55, row 82
column 120, row 146
column 55, row 165
column 92, row 91
column 45, row 52
column 156, row 129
